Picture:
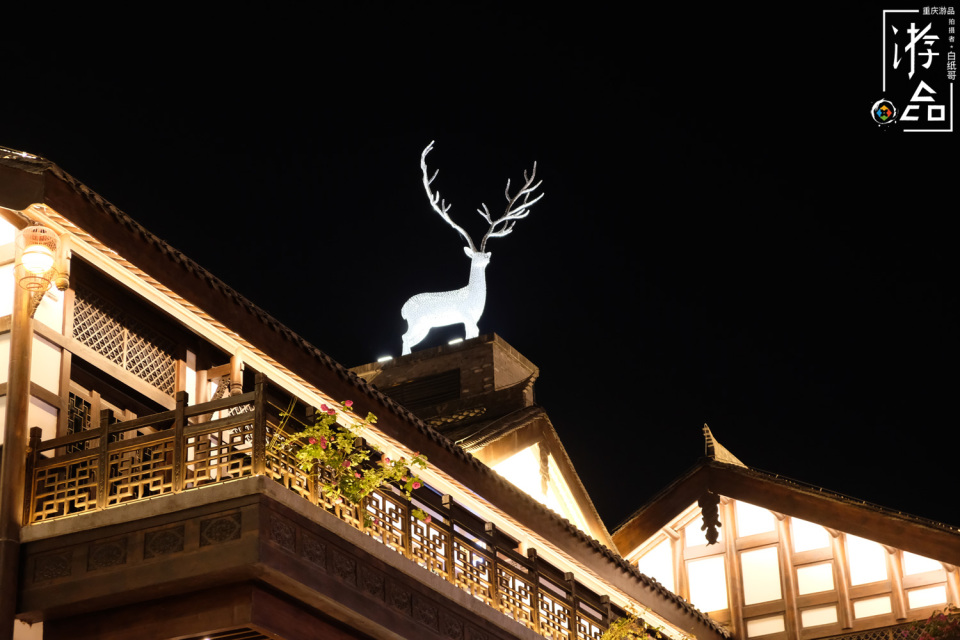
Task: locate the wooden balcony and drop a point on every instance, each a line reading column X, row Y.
column 191, row 510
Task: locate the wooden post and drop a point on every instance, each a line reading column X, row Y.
column 312, row 484
column 13, row 458
column 734, row 578
column 179, row 444
column 790, row 594
column 841, row 578
column 33, row 452
column 260, row 426
column 103, row 458
column 236, row 375
column 491, row 530
column 895, row 570
column 447, row 502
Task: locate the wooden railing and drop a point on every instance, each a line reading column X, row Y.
column 219, row 441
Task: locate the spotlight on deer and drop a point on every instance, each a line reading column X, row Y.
column 425, row 311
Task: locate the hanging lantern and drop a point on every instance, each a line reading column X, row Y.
column 37, row 249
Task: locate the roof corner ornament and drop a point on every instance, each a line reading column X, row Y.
column 716, row 451
column 425, row 311
column 709, row 504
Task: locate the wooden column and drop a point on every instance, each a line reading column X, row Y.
column 14, row 457
column 236, row 375
column 734, row 579
column 953, row 583
column 841, row 578
column 788, row 577
column 179, row 442
column 895, row 570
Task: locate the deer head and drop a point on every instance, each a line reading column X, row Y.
column 427, row 310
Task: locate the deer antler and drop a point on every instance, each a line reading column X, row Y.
column 439, row 205
column 511, row 215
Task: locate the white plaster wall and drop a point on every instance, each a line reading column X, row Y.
column 45, row 364
column 44, row 416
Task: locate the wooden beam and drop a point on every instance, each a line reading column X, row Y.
column 842, row 581
column 895, row 569
column 734, row 577
column 790, row 594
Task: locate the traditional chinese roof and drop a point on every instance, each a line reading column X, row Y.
column 791, row 497
column 26, row 179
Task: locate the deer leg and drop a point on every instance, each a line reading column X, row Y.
column 414, row 335
column 470, row 330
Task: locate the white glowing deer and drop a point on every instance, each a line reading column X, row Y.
column 427, row 310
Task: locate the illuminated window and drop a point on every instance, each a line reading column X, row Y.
column 765, row 626
column 927, row 597
column 868, row 561
column 872, row 607
column 914, row 564
column 761, row 575
column 807, row 536
column 658, row 563
column 751, row 520
column 818, row 616
column 708, row 583
column 815, row 578
column 694, row 535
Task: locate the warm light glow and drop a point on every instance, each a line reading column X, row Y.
column 752, row 520
column 808, row 536
column 456, row 341
column 872, row 607
column 868, row 561
column 37, row 259
column 708, row 583
column 765, row 626
column 914, row 564
column 815, row 578
column 928, row 597
column 658, row 563
column 818, row 616
column 384, row 358
column 523, row 470
column 761, row 575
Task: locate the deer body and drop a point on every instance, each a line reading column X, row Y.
column 427, row 310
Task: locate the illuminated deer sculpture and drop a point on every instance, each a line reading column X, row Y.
column 427, row 310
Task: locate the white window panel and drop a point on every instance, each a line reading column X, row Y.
column 818, row 616
column 815, row 578
column 761, row 575
column 765, row 626
column 868, row 560
column 808, row 536
column 752, row 520
column 872, row 607
column 927, row 597
column 914, row 564
column 708, row 583
column 658, row 563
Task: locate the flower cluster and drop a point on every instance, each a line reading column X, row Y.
column 942, row 625
column 344, row 469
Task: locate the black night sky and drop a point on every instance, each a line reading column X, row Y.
column 726, row 235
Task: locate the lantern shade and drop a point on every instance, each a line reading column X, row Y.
column 36, row 252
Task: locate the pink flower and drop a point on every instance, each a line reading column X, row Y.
column 386, row 460
column 324, row 408
column 348, row 403
column 346, row 463
column 416, row 485
column 403, row 479
column 356, row 475
column 313, row 441
column 323, row 442
column 428, row 519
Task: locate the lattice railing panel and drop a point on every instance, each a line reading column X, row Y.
column 120, row 338
column 388, row 517
column 64, row 489
column 140, row 472
column 429, row 544
column 554, row 618
column 79, row 419
column 516, row 596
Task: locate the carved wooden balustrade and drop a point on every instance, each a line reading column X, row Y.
column 226, row 439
